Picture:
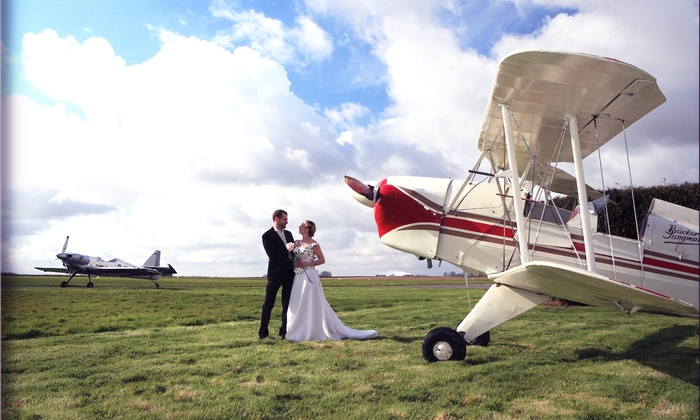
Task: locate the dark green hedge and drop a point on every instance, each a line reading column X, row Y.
column 620, row 208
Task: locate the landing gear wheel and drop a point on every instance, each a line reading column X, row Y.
column 442, row 344
column 157, row 285
column 90, row 285
column 64, row 284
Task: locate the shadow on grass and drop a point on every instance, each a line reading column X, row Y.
column 399, row 339
column 659, row 351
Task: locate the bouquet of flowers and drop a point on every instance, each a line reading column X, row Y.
column 297, row 257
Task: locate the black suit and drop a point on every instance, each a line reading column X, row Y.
column 280, row 273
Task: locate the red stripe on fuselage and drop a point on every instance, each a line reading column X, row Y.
column 476, row 231
column 670, row 266
column 471, row 226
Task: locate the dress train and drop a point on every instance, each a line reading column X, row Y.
column 310, row 316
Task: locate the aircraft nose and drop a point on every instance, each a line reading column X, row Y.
column 62, row 256
column 363, row 193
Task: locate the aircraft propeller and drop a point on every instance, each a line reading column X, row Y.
column 65, row 246
column 364, row 193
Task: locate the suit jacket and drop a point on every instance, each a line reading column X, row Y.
column 280, row 268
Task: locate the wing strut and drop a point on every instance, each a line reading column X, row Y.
column 582, row 195
column 467, row 180
column 517, row 196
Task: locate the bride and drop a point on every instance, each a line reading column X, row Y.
column 309, row 316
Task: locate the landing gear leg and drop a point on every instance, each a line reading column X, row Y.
column 482, row 340
column 90, row 285
column 65, row 283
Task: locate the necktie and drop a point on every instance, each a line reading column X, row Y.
column 284, row 240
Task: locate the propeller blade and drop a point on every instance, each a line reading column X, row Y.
column 65, row 245
column 367, row 191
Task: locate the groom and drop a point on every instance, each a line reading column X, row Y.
column 280, row 271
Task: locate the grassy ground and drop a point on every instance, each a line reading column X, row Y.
column 190, row 350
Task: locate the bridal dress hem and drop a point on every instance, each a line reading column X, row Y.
column 310, row 316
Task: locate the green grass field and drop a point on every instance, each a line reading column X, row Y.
column 190, row 350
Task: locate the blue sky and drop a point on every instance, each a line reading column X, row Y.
column 127, row 25
column 181, row 126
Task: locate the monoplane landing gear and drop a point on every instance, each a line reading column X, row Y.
column 90, row 285
column 442, row 344
column 65, row 283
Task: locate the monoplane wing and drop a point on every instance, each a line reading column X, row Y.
column 582, row 286
column 541, row 87
column 54, row 269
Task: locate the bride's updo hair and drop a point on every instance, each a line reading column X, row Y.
column 312, row 228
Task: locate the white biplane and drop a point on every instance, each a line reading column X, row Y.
column 545, row 108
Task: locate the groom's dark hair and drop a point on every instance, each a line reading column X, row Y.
column 278, row 214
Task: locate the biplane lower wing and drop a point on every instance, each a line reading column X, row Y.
column 522, row 288
column 582, row 286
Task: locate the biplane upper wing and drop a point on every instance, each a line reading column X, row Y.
column 578, row 285
column 541, row 87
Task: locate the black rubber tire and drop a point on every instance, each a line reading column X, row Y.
column 443, row 344
column 482, row 340
column 64, row 284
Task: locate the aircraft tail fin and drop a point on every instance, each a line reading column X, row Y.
column 154, row 260
column 673, row 228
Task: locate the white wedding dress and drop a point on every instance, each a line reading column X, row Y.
column 309, row 316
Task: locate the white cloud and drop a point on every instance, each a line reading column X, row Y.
column 312, row 41
column 89, row 72
column 305, row 42
column 346, row 115
column 173, row 149
column 191, row 151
